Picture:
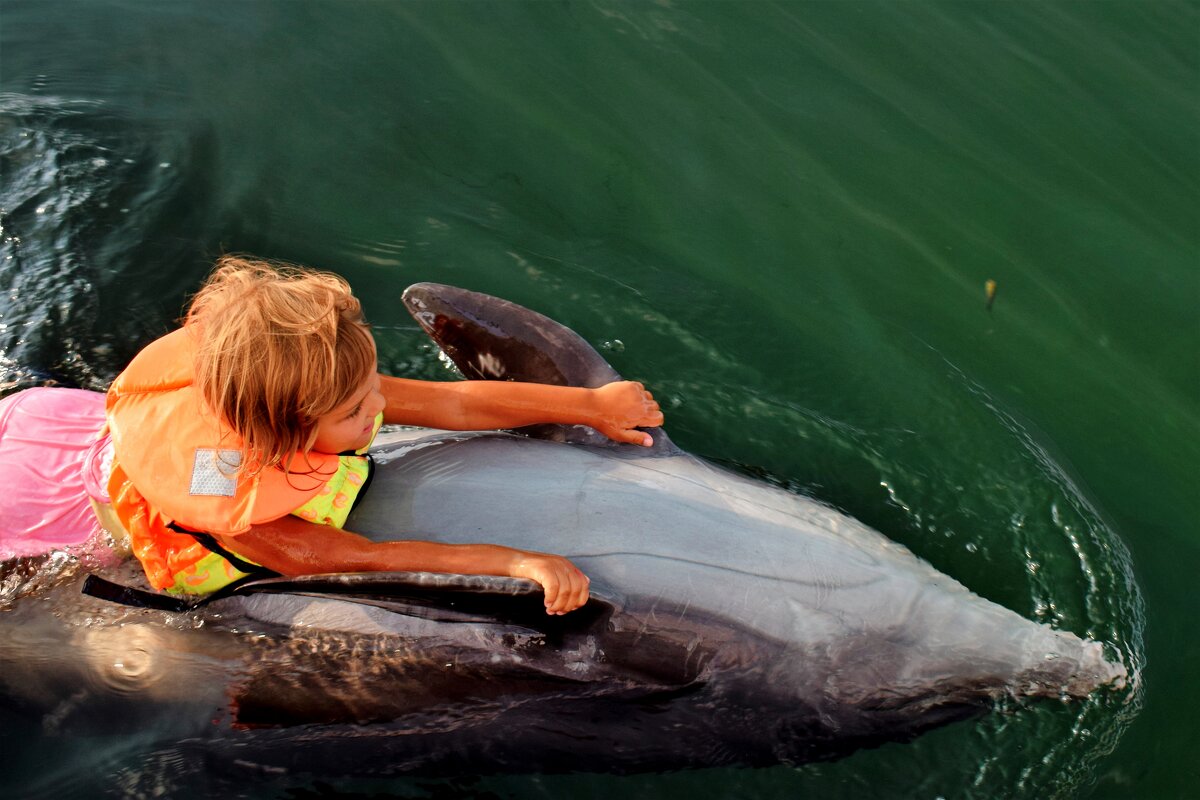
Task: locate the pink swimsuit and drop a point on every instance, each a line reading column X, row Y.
column 51, row 462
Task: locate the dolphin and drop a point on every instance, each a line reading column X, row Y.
column 731, row 622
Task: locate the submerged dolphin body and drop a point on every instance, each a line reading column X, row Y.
column 731, row 622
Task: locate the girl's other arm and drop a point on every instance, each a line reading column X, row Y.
column 292, row 546
column 616, row 410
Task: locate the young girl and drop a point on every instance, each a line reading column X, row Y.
column 238, row 440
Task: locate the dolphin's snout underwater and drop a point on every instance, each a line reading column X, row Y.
column 731, row 621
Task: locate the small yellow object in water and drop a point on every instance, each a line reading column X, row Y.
column 989, row 287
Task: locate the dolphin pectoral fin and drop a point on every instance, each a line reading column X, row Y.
column 473, row 647
column 492, row 339
column 440, row 597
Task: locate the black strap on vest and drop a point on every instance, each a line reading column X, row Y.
column 210, row 543
column 96, row 586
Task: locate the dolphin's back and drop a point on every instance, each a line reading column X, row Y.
column 675, row 541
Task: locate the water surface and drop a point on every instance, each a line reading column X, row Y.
column 780, row 216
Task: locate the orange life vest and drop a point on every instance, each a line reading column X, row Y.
column 175, row 462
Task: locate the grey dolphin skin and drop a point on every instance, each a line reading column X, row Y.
column 731, row 621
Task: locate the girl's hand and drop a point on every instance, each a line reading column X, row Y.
column 565, row 586
column 623, row 406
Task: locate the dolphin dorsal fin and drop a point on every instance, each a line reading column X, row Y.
column 492, row 339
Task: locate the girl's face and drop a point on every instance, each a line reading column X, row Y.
column 349, row 426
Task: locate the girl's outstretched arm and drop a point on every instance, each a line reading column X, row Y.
column 292, row 546
column 616, row 410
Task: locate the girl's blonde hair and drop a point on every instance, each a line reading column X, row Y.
column 278, row 347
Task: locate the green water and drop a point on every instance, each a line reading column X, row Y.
column 780, row 216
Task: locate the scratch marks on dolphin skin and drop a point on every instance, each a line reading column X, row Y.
column 405, row 450
column 582, row 659
column 489, row 365
column 762, row 499
column 824, row 592
column 856, row 584
column 435, row 468
column 580, row 494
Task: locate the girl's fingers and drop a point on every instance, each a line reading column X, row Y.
column 578, row 594
column 572, row 591
column 578, row 588
column 634, row 436
column 635, row 409
column 584, row 590
column 551, row 590
column 564, row 586
column 560, row 603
